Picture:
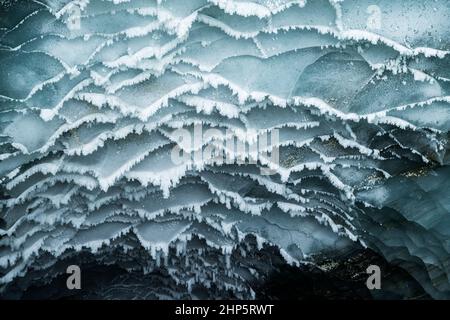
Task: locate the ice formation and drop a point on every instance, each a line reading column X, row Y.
column 92, row 90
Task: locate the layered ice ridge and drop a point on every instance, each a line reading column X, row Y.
column 92, row 93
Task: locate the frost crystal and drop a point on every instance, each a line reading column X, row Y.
column 91, row 92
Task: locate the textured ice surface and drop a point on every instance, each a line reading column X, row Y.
column 92, row 90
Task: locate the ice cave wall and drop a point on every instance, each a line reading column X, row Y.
column 91, row 92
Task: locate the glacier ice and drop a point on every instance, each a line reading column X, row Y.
column 92, row 91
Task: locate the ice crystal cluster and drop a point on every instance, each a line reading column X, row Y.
column 91, row 92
